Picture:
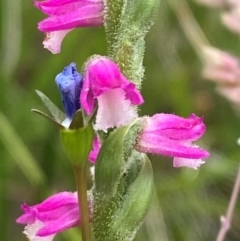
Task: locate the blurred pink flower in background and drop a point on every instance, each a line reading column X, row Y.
column 220, row 66
column 223, row 69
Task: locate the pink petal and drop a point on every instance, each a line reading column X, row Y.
column 133, row 94
column 66, row 221
column 94, row 152
column 87, row 98
column 26, row 218
column 231, row 20
column 86, row 16
column 57, row 200
column 61, row 9
column 175, row 127
column 162, row 146
column 53, row 3
column 220, row 75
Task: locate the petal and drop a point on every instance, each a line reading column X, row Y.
column 94, row 152
column 53, row 3
column 29, row 216
column 163, row 146
column 114, row 110
column 133, row 94
column 53, row 40
column 60, row 9
column 221, row 76
column 69, row 83
column 192, row 163
column 86, row 16
column 32, row 229
column 64, row 222
column 87, row 99
column 231, row 20
column 56, row 201
column 52, row 215
column 175, row 127
column 103, row 75
column 26, row 218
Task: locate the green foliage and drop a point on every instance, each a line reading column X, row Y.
column 126, row 30
column 123, row 187
column 189, row 203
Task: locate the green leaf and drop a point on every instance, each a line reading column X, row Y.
column 118, row 167
column 57, row 114
column 136, row 201
column 20, row 153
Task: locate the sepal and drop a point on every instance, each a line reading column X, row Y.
column 57, row 114
column 58, row 117
column 78, row 142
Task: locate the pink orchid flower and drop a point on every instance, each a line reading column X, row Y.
column 55, row 214
column 66, row 15
column 171, row 135
column 116, row 96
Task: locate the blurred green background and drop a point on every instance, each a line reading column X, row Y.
column 188, row 203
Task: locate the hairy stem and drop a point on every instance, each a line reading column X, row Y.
column 226, row 221
column 81, row 183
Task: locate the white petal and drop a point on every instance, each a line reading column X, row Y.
column 66, row 123
column 191, row 163
column 114, row 110
column 53, row 40
column 31, row 230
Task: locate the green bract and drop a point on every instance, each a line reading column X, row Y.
column 123, row 186
column 77, row 143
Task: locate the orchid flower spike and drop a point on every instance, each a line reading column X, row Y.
column 56, row 214
column 69, row 83
column 171, row 135
column 64, row 16
column 104, row 85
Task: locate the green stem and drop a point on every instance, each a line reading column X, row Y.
column 190, row 26
column 81, row 183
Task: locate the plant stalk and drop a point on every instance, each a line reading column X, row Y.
column 226, row 221
column 81, row 183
